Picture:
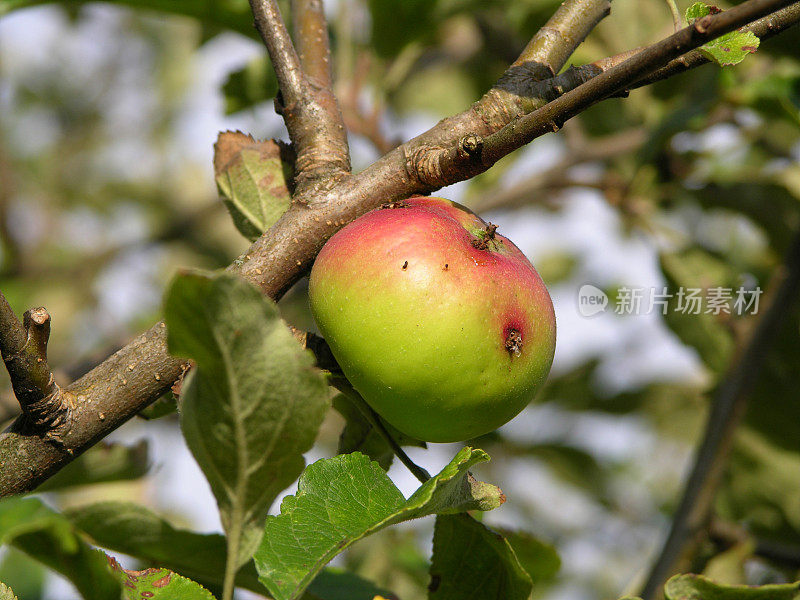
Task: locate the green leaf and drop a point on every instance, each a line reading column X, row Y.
column 158, row 584
column 540, row 560
column 251, row 85
column 6, row 593
column 164, row 406
column 728, row 567
column 694, row 271
column 254, row 179
column 29, row 525
column 25, row 575
column 729, row 48
column 471, row 562
column 698, row 10
column 136, row 531
column 103, row 463
column 343, row 499
column 252, row 405
column 232, row 14
column 397, row 24
column 335, row 584
column 697, row 587
column 762, row 487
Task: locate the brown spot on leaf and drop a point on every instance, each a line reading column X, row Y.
column 749, row 48
column 230, row 145
column 163, row 582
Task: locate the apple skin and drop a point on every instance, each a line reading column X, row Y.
column 443, row 326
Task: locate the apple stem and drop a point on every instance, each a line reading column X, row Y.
column 374, row 419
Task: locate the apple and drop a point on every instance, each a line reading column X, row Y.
column 440, row 323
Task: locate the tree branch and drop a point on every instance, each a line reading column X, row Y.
column 24, row 350
column 306, row 102
column 730, row 401
column 138, row 374
column 311, row 33
column 552, row 116
column 554, row 43
column 764, row 28
column 285, row 61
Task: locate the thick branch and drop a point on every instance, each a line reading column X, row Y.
column 306, row 103
column 552, row 116
column 544, row 56
column 100, row 401
column 730, row 401
column 554, row 43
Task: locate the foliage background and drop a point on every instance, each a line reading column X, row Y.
column 108, row 115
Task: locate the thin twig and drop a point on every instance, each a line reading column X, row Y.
column 730, row 401
column 309, row 108
column 311, row 37
column 677, row 21
column 24, row 350
column 285, row 61
column 552, row 116
column 764, row 28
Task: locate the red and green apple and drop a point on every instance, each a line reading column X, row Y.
column 440, row 323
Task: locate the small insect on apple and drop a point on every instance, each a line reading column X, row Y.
column 440, row 323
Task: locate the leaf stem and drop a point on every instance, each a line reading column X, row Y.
column 228, row 583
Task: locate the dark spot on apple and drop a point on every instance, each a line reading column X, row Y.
column 398, row 204
column 446, row 266
column 480, row 243
column 513, row 341
column 405, row 265
column 485, row 236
